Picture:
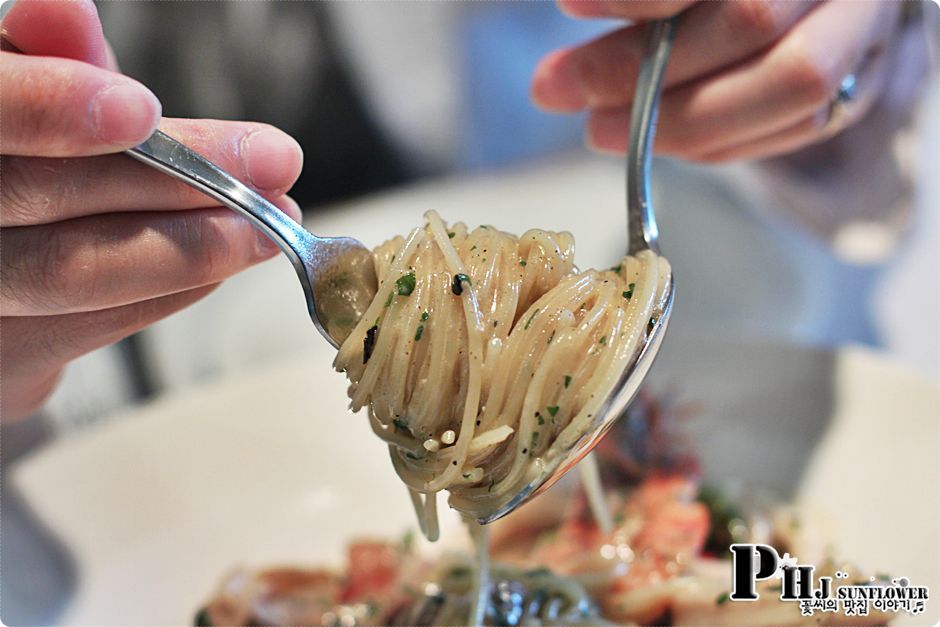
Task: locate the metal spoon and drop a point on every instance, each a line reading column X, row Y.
column 336, row 273
column 642, row 235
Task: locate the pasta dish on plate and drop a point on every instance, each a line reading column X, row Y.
column 665, row 559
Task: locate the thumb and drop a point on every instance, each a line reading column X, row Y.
column 65, row 28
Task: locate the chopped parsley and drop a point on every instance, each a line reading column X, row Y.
column 419, row 332
column 629, row 293
column 552, row 409
column 401, row 425
column 388, row 301
column 406, row 284
column 522, row 262
column 603, row 340
column 450, row 234
column 539, row 418
column 722, row 598
column 529, row 321
column 344, row 321
column 202, row 618
column 538, row 572
column 339, row 281
column 617, row 268
column 425, row 316
column 460, row 571
column 567, row 380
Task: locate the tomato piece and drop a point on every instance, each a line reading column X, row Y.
column 372, row 570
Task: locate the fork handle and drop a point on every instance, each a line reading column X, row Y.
column 171, row 157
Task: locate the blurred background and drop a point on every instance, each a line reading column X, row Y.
column 410, row 106
column 836, row 244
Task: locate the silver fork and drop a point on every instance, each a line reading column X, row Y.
column 336, row 273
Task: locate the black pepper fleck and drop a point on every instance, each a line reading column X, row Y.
column 368, row 344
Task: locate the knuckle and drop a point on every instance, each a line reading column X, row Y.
column 589, row 73
column 762, row 20
column 33, row 279
column 808, row 78
column 21, row 194
column 37, row 112
column 65, row 275
column 218, row 254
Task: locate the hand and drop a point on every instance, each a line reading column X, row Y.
column 746, row 79
column 95, row 245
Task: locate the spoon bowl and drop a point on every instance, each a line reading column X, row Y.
column 642, row 235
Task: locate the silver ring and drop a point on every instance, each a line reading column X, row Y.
column 839, row 105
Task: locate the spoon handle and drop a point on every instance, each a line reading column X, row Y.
column 641, row 223
column 171, row 157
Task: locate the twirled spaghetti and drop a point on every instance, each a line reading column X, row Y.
column 483, row 355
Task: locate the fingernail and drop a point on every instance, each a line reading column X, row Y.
column 125, row 113
column 556, row 85
column 272, row 159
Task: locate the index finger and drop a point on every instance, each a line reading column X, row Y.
column 39, row 191
column 637, row 10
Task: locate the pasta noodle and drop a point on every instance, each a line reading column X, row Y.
column 484, row 355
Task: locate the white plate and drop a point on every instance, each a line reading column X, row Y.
column 269, row 468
